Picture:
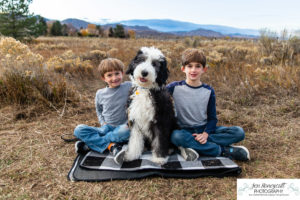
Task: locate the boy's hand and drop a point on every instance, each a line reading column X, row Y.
column 201, row 137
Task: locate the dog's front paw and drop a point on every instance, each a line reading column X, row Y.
column 160, row 160
column 130, row 156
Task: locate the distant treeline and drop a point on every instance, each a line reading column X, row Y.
column 17, row 22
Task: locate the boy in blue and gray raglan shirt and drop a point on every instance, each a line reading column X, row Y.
column 110, row 105
column 195, row 105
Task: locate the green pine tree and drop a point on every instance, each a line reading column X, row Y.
column 41, row 26
column 100, row 30
column 16, row 20
column 65, row 30
column 111, row 32
column 56, row 29
column 119, row 31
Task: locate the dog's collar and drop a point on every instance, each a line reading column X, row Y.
column 138, row 88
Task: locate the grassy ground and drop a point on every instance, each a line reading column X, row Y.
column 34, row 161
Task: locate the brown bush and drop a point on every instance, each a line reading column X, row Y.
column 23, row 81
column 95, row 56
column 69, row 63
column 232, row 62
column 34, row 87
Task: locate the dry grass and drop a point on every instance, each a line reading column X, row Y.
column 263, row 99
column 25, row 81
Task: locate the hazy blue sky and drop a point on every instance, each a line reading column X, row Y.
column 273, row 14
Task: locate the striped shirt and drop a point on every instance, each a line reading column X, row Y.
column 195, row 106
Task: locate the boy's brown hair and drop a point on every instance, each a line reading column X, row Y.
column 110, row 64
column 193, row 55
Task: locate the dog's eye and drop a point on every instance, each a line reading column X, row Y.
column 155, row 63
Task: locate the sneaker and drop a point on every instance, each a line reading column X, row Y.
column 236, row 153
column 118, row 152
column 188, row 154
column 81, row 147
column 119, row 157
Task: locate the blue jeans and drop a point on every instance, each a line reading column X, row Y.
column 98, row 138
column 223, row 136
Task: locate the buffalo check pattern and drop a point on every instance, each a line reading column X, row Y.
column 98, row 161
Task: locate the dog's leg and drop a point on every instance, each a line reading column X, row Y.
column 135, row 145
column 157, row 155
column 159, row 152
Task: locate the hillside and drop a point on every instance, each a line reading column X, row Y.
column 171, row 28
column 142, row 31
column 77, row 23
column 167, row 25
column 199, row 32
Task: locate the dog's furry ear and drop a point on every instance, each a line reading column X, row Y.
column 133, row 62
column 163, row 73
column 130, row 68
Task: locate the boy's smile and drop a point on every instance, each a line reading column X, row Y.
column 113, row 79
column 193, row 72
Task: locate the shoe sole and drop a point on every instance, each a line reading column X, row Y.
column 81, row 150
column 192, row 155
column 242, row 147
column 119, row 157
column 76, row 146
column 189, row 154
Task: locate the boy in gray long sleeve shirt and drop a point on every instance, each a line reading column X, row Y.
column 110, row 105
column 195, row 105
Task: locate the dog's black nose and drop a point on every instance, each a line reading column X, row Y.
column 144, row 73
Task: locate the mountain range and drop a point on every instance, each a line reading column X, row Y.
column 167, row 27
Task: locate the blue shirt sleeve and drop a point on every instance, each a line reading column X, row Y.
column 211, row 113
column 170, row 87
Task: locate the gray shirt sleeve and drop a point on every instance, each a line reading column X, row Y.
column 110, row 104
column 99, row 108
column 191, row 105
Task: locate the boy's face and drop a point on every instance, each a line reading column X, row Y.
column 193, row 71
column 113, row 78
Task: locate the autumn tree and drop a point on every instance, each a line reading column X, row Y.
column 131, row 34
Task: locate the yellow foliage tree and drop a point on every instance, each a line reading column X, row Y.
column 84, row 32
column 92, row 29
column 91, row 26
column 131, row 34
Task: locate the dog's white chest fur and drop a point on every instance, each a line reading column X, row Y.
column 142, row 110
column 148, row 72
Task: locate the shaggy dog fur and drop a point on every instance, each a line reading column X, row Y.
column 151, row 113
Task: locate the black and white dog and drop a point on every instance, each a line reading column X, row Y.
column 151, row 114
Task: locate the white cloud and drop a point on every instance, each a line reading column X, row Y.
column 275, row 14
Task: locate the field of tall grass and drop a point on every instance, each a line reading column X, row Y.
column 47, row 87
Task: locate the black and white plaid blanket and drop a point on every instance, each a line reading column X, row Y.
column 101, row 167
column 98, row 161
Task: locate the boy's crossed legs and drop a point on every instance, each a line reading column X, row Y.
column 100, row 138
column 218, row 143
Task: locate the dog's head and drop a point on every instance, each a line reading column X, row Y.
column 149, row 68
